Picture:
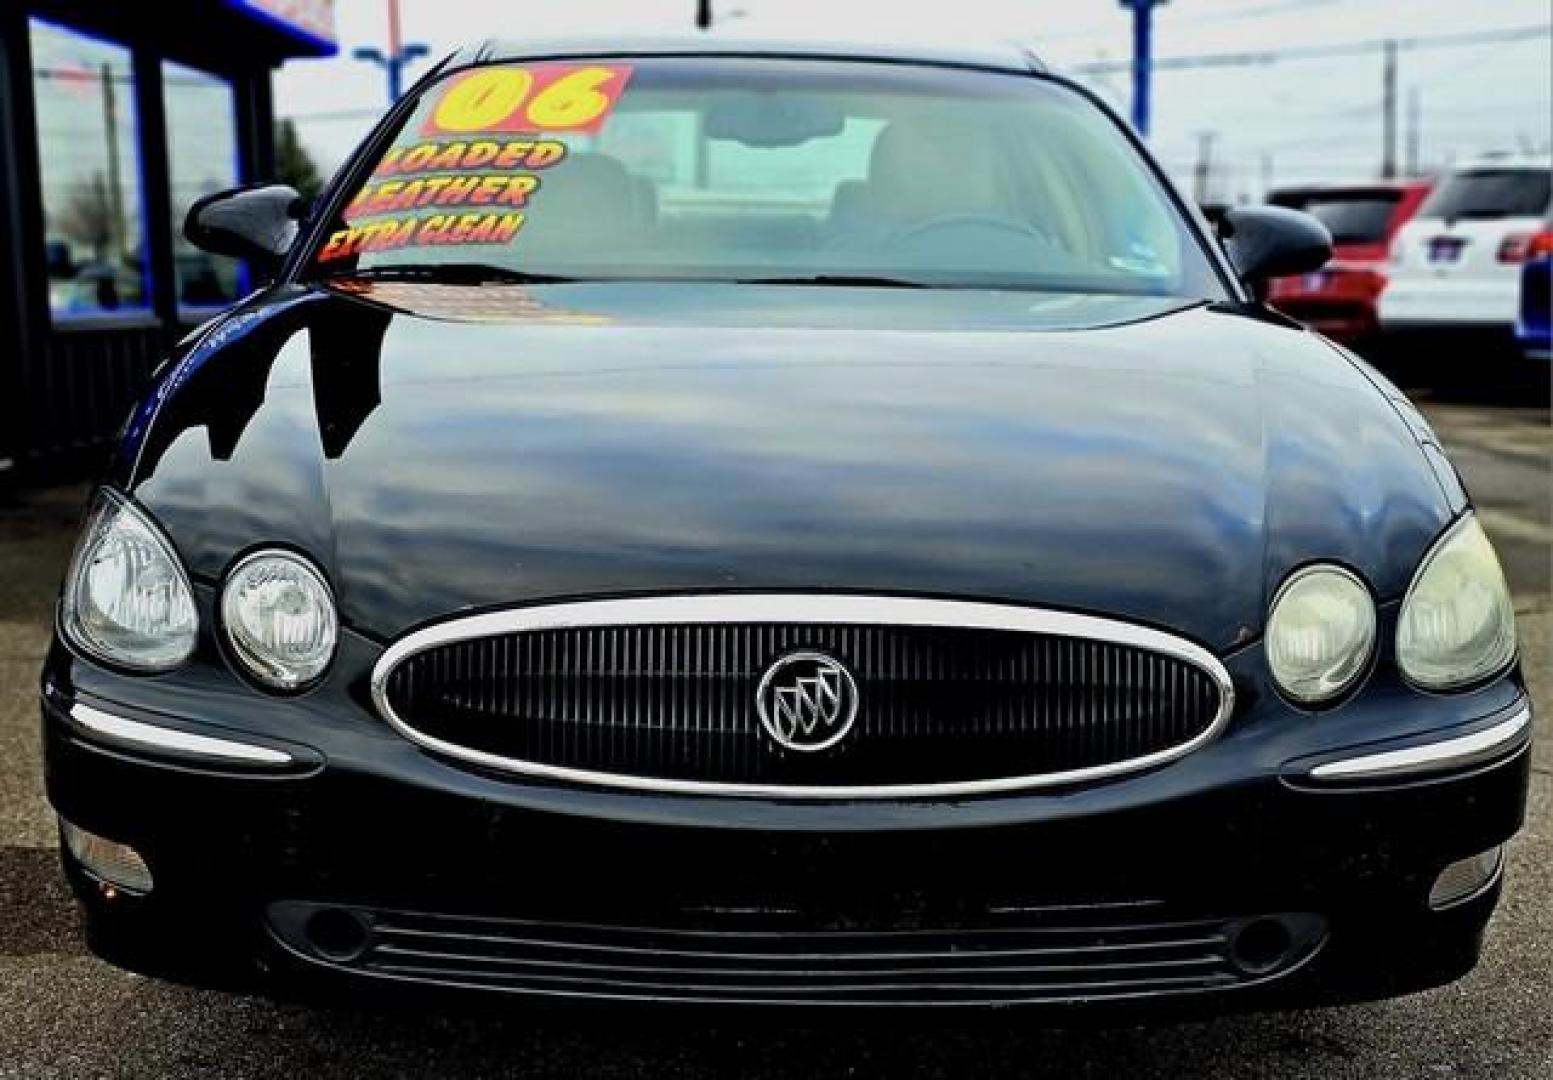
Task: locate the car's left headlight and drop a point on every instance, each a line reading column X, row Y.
column 279, row 619
column 127, row 599
column 1320, row 634
column 1457, row 625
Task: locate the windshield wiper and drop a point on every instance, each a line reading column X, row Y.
column 853, row 280
column 454, row 274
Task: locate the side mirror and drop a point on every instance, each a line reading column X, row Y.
column 257, row 223
column 1273, row 241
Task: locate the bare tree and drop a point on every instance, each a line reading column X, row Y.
column 293, row 164
column 88, row 217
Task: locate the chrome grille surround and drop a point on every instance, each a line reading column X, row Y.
column 799, row 608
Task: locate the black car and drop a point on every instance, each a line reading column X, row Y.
column 709, row 523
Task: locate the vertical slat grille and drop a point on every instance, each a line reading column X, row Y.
column 677, row 701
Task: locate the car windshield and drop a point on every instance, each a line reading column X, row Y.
column 803, row 171
column 1490, row 193
column 1352, row 217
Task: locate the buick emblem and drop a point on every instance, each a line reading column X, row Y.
column 807, row 701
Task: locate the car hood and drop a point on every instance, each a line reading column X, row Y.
column 437, row 449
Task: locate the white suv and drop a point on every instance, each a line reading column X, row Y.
column 1458, row 262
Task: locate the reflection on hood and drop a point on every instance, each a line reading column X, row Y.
column 621, row 439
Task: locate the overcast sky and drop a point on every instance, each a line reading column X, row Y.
column 1294, row 120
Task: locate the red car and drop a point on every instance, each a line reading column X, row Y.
column 1339, row 300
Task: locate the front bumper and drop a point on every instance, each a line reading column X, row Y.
column 1143, row 890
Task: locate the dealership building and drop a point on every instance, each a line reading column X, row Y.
column 114, row 118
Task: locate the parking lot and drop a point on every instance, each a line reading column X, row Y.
column 62, row 1013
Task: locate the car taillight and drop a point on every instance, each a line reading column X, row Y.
column 1373, row 281
column 1524, row 247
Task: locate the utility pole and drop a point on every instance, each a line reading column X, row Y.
column 1388, row 161
column 1204, row 169
column 117, row 241
column 1142, row 61
column 1415, row 131
column 705, row 18
column 398, row 57
column 703, row 158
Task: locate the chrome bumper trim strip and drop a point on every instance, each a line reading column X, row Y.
column 155, row 737
column 1453, row 753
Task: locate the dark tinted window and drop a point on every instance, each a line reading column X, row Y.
column 1490, row 193
column 1351, row 217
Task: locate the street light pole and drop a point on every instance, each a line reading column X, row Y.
column 395, row 46
column 398, row 57
column 1142, row 60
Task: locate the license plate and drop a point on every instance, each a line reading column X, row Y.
column 1445, row 249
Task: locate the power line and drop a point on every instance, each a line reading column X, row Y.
column 1316, row 52
column 1501, row 35
column 1247, row 14
column 1256, row 11
column 337, row 114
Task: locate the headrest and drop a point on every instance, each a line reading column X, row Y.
column 849, row 202
column 924, row 170
column 586, row 199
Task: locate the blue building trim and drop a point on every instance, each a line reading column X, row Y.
column 314, row 44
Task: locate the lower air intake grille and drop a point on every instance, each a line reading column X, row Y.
column 1087, row 956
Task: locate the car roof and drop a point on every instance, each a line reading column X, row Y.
column 1002, row 56
column 1337, row 187
column 1511, row 161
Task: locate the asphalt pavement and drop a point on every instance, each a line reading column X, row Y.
column 64, row 1014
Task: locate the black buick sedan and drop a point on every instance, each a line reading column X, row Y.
column 756, row 524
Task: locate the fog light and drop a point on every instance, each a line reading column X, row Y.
column 1466, row 877
column 107, row 860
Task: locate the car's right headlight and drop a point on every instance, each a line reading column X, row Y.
column 127, row 599
column 1457, row 625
